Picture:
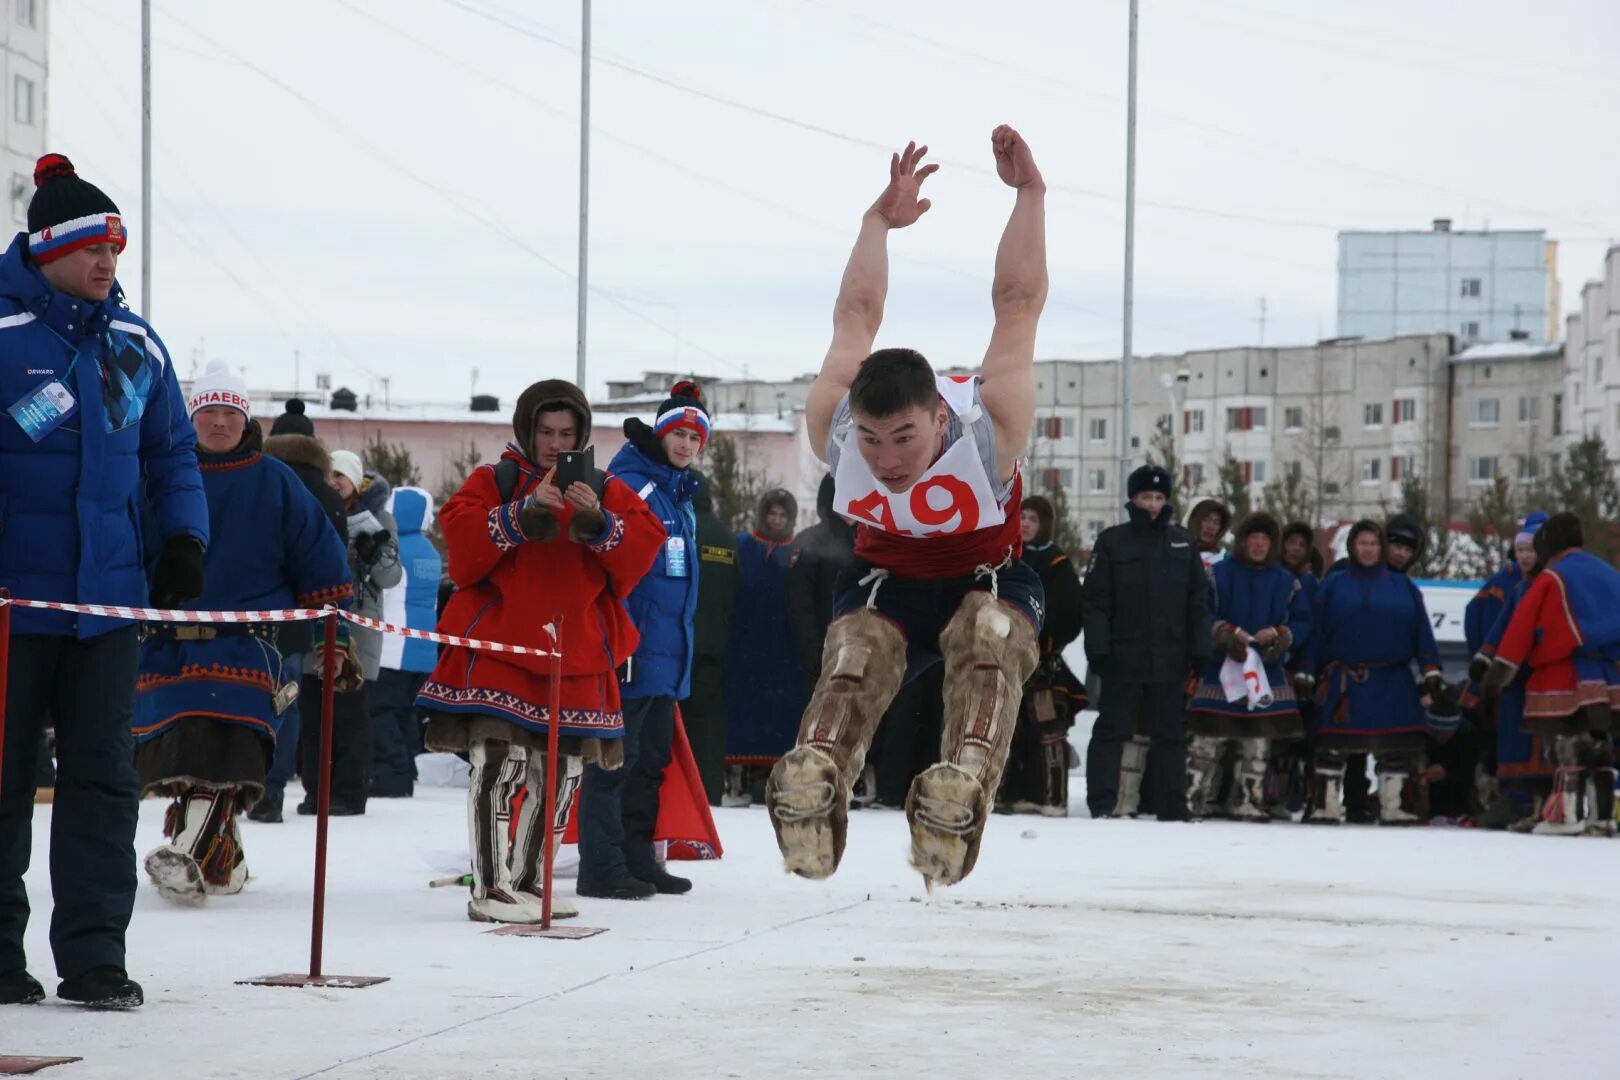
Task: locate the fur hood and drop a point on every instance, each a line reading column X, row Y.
column 1364, row 526
column 1561, row 533
column 1407, row 529
column 304, row 450
column 1259, row 522
column 777, row 497
column 1209, row 506
column 545, row 396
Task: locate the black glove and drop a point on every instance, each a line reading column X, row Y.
column 179, row 574
column 1304, row 686
column 1434, row 684
column 1477, row 669
column 368, row 545
column 1099, row 665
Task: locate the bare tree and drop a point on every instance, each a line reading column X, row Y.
column 1492, row 521
column 1584, row 484
column 735, row 487
column 1288, row 499
column 1161, row 451
column 1321, row 454
column 1233, row 489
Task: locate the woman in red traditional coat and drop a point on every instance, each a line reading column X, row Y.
column 1567, row 627
column 523, row 553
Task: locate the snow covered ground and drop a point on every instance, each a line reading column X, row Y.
column 1077, row 948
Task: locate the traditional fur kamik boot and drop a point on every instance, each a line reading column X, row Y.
column 1391, row 789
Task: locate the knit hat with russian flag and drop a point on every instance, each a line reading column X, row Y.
column 217, row 386
column 67, row 213
column 683, row 409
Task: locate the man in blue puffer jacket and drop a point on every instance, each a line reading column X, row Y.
column 619, row 809
column 93, row 412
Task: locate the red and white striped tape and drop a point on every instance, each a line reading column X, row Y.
column 286, row 615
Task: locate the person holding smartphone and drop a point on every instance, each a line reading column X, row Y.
column 620, row 808
column 548, row 566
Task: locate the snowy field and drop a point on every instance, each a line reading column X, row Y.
column 1077, row 948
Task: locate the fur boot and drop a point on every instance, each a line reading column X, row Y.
column 203, row 854
column 1561, row 812
column 531, row 833
column 1600, row 797
column 1203, row 772
column 1250, row 789
column 1327, row 795
column 1132, row 765
column 1565, row 811
column 862, row 664
column 990, row 651
column 1391, row 791
column 497, row 774
column 1055, row 770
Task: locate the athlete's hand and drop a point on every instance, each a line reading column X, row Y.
column 899, row 204
column 1015, row 163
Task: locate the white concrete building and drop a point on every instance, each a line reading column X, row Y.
column 1592, row 357
column 22, row 75
column 1481, row 286
column 1352, row 419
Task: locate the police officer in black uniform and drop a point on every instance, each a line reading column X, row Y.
column 1146, row 630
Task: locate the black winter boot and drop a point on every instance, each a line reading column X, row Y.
column 267, row 811
column 625, row 888
column 103, row 988
column 643, row 864
column 20, row 988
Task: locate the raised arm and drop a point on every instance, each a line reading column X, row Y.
column 858, row 312
column 1018, row 294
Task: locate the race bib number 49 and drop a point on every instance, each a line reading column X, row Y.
column 954, row 496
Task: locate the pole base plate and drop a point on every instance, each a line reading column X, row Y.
column 566, row 933
column 330, row 982
column 21, row 1065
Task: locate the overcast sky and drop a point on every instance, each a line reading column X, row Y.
column 388, row 187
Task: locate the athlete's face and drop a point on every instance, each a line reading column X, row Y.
column 1029, row 525
column 1295, row 551
column 1210, row 528
column 1525, row 556
column 899, row 448
column 1400, row 555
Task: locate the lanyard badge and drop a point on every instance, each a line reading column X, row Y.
column 43, row 410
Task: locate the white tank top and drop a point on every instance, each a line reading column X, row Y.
column 955, row 495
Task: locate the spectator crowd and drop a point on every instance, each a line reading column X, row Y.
column 1234, row 673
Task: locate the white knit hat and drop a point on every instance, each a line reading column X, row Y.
column 217, row 386
column 347, row 463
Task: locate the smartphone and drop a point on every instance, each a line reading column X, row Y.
column 573, row 467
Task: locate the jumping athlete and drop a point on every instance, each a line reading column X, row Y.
column 933, row 486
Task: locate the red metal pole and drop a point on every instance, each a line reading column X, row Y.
column 323, row 798
column 553, row 735
column 5, row 670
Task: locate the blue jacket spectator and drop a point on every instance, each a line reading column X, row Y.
column 93, row 418
column 620, row 809
column 664, row 605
